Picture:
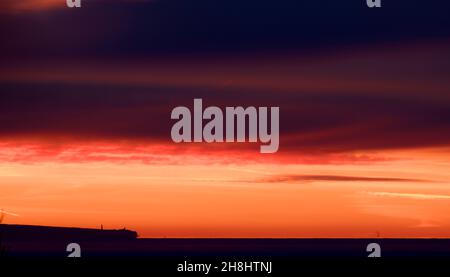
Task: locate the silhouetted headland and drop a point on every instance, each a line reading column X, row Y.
column 32, row 241
column 22, row 233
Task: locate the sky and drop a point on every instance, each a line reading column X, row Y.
column 364, row 96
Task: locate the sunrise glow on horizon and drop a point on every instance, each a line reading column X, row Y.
column 85, row 120
column 159, row 195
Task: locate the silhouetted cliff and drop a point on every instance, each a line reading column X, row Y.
column 44, row 233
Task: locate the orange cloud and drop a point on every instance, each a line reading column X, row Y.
column 65, row 150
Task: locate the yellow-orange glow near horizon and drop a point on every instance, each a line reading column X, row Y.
column 200, row 195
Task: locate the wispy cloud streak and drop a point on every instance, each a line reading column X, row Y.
column 334, row 178
column 416, row 196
